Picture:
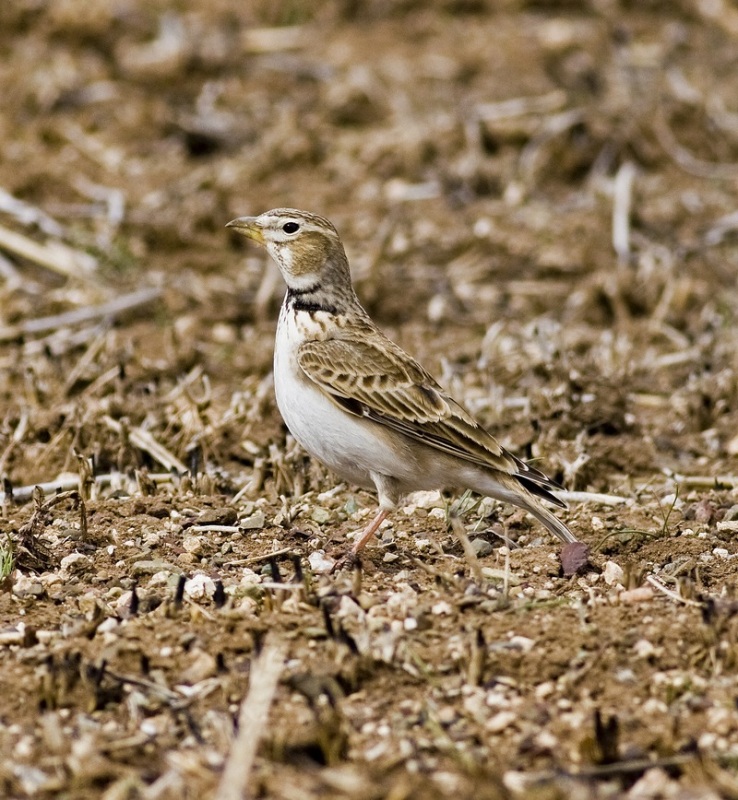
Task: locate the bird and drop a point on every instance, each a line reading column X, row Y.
column 359, row 403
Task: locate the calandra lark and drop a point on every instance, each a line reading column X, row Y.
column 358, row 402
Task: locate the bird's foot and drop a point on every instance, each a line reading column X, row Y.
column 350, row 560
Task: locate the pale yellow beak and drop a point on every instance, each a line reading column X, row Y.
column 249, row 227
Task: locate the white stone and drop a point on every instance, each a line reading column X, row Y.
column 75, row 562
column 522, row 643
column 644, row 649
column 320, row 563
column 199, row 586
column 613, row 573
column 500, row 721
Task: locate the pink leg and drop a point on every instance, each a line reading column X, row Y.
column 369, row 531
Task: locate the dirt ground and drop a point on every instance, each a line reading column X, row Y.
column 538, row 200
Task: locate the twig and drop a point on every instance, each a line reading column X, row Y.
column 22, row 494
column 272, row 40
column 107, row 310
column 214, row 529
column 518, row 106
column 688, row 162
column 657, row 584
column 674, row 359
column 705, row 481
column 27, row 214
column 622, row 198
column 637, row 765
column 591, row 497
column 96, row 345
column 108, row 157
column 553, row 127
column 720, row 13
column 169, row 696
column 721, row 228
column 15, row 440
column 12, row 276
column 256, row 559
column 252, row 719
column 114, row 199
column 54, row 255
column 145, row 441
column 469, row 554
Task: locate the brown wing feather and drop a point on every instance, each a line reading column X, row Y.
column 389, row 387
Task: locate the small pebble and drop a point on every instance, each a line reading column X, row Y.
column 218, row 516
column 481, row 547
column 320, row 563
column 199, row 586
column 320, row 515
column 644, row 649
column 256, row 520
column 500, row 721
column 76, row 562
column 151, row 567
column 613, row 573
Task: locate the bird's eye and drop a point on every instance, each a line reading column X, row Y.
column 290, row 227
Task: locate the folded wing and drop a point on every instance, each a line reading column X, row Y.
column 389, row 387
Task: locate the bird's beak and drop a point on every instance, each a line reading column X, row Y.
column 249, row 227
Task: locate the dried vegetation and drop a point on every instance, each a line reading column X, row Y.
column 538, row 199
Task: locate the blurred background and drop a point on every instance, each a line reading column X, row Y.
column 537, row 198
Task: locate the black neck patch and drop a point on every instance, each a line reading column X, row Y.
column 306, row 300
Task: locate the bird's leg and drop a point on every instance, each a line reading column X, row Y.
column 369, row 531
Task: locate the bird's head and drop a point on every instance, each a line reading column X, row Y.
column 304, row 245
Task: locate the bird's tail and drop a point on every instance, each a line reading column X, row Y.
column 544, row 516
column 524, row 494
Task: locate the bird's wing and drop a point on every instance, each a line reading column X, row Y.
column 369, row 376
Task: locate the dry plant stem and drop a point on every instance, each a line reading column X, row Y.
column 629, row 767
column 15, row 440
column 705, row 481
column 469, row 554
column 622, row 199
column 252, row 718
column 84, row 362
column 273, row 40
column 688, row 162
column 108, row 310
column 11, row 276
column 173, row 698
column 518, row 106
column 506, row 580
column 369, row 531
column 215, row 529
column 24, row 493
column 553, row 126
column 145, row 441
column 27, row 214
column 591, row 497
column 657, row 584
column 55, row 256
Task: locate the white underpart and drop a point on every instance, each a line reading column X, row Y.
column 358, row 450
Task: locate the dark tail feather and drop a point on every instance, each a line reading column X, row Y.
column 540, row 491
column 553, row 523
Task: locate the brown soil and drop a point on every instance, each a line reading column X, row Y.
column 471, row 154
